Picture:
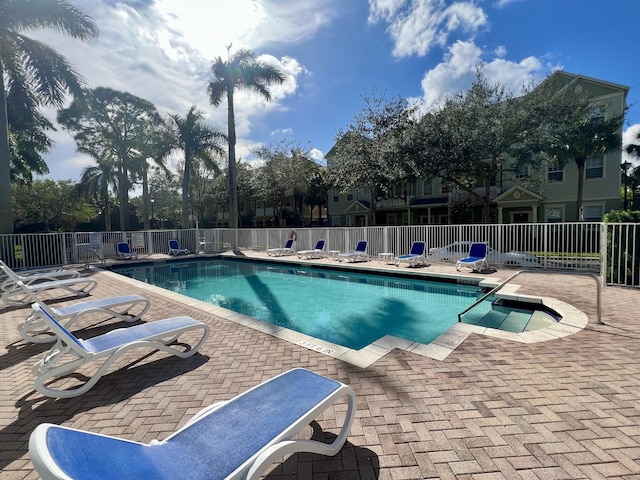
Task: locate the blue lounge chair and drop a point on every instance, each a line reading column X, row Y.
column 415, row 257
column 357, row 255
column 35, row 329
column 70, row 353
column 235, row 439
column 174, row 248
column 124, row 252
column 281, row 252
column 477, row 259
column 17, row 296
column 317, row 252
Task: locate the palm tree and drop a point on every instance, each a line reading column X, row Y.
column 158, row 143
column 239, row 71
column 198, row 141
column 95, row 182
column 34, row 71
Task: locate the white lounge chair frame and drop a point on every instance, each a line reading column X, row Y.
column 283, row 251
column 317, row 252
column 29, row 277
column 235, row 439
column 70, row 353
column 17, row 297
column 35, row 329
column 357, row 255
column 414, row 258
column 174, row 248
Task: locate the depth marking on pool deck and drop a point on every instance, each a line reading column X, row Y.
column 315, row 347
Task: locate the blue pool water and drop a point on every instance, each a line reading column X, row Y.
column 344, row 308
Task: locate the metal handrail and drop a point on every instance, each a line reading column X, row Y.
column 597, row 278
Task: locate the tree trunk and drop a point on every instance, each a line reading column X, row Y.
column 186, row 180
column 107, row 206
column 145, row 198
column 233, row 188
column 580, row 161
column 6, row 209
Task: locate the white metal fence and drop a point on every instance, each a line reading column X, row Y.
column 611, row 250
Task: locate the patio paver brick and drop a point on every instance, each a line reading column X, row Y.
column 567, row 408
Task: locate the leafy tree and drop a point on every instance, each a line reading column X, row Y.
column 465, row 140
column 112, row 126
column 571, row 129
column 34, row 73
column 366, row 154
column 199, row 142
column 54, row 205
column 317, row 192
column 286, row 171
column 159, row 142
column 240, row 71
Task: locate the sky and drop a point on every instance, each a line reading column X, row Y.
column 336, row 52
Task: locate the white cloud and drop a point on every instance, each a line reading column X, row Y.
column 317, row 156
column 384, row 9
column 416, row 29
column 504, row 3
column 162, row 51
column 631, row 136
column 457, row 71
column 282, row 131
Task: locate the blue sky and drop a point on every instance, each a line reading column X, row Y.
column 334, row 52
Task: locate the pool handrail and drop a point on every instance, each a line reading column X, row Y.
column 498, row 287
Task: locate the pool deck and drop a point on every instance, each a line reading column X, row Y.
column 566, row 406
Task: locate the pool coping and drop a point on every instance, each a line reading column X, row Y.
column 573, row 320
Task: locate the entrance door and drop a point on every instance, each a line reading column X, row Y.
column 520, row 217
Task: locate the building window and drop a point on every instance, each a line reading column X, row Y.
column 522, row 171
column 554, row 214
column 594, row 168
column 592, row 213
column 336, row 198
column 596, row 114
column 349, row 197
column 445, row 187
column 427, row 186
column 554, row 172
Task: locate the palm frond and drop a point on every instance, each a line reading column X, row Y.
column 56, row 15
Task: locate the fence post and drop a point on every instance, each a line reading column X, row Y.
column 604, row 252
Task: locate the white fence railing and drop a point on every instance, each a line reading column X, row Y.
column 611, row 250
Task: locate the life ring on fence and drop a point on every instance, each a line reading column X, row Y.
column 293, row 236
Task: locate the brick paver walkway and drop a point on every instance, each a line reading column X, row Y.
column 563, row 409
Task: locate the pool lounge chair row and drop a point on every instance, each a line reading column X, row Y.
column 222, row 441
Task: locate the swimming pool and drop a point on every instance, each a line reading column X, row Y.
column 348, row 309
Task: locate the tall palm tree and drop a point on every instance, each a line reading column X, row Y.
column 198, row 141
column 34, row 71
column 240, row 71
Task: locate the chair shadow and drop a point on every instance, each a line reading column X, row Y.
column 112, row 388
column 350, row 462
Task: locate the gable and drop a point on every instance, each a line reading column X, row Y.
column 518, row 195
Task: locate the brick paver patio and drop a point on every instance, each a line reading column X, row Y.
column 563, row 409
